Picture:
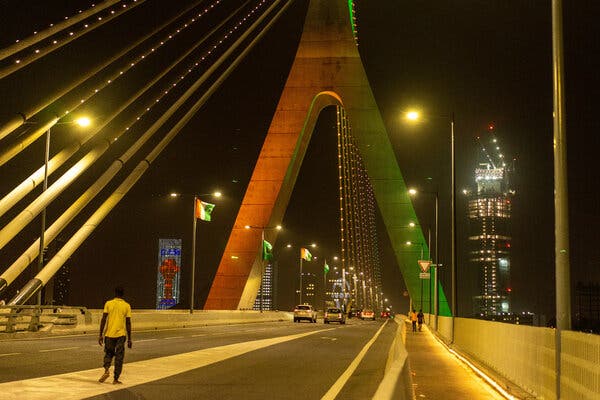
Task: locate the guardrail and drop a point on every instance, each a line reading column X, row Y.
column 33, row 318
column 526, row 356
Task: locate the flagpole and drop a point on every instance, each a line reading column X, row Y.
column 262, row 267
column 193, row 256
column 324, row 287
column 300, row 277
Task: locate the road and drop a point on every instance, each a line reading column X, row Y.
column 283, row 360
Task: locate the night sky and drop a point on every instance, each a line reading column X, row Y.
column 486, row 61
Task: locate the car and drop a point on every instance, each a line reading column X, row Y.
column 367, row 314
column 305, row 312
column 334, row 315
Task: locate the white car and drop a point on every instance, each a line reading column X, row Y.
column 367, row 314
column 305, row 311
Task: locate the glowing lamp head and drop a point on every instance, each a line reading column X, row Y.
column 412, row 192
column 412, row 116
column 83, row 121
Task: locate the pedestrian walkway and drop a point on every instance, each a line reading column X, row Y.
column 437, row 374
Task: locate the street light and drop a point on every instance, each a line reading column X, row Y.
column 414, row 192
column 415, row 116
column 195, row 216
column 262, row 262
column 82, row 122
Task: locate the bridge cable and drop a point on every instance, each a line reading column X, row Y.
column 90, row 225
column 22, row 44
column 18, row 266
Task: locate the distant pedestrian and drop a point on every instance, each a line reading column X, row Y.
column 116, row 318
column 420, row 318
column 413, row 319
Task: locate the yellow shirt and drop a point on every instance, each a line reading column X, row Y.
column 117, row 310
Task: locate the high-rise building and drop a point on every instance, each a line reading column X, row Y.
column 269, row 289
column 489, row 213
column 309, row 288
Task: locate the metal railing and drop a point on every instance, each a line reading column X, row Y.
column 32, row 318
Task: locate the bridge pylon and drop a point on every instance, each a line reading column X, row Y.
column 327, row 71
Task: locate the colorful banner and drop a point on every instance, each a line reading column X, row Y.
column 169, row 273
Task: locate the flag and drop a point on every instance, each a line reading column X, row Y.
column 203, row 210
column 305, row 254
column 326, row 267
column 267, row 253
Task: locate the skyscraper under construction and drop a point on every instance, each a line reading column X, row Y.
column 489, row 213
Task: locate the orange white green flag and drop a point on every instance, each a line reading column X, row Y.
column 203, row 210
column 305, row 254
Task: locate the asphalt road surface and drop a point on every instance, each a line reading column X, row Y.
column 282, row 360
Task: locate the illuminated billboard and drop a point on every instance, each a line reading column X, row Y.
column 169, row 273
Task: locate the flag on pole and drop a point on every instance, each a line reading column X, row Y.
column 267, row 253
column 305, row 254
column 326, row 267
column 203, row 210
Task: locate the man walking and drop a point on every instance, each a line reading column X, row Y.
column 413, row 320
column 116, row 318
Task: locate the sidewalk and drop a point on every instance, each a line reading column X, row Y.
column 437, row 374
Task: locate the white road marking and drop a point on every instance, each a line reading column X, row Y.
column 9, row 354
column 83, row 384
column 63, row 348
column 174, row 337
column 200, row 334
column 145, row 340
column 339, row 384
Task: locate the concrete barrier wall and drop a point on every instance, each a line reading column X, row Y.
column 397, row 382
column 522, row 354
column 444, row 328
column 159, row 319
column 580, row 366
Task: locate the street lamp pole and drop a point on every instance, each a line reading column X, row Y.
column 193, row 257
column 561, row 204
column 300, row 302
column 43, row 224
column 83, row 122
column 435, row 268
column 453, row 223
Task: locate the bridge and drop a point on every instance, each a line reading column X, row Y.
column 150, row 97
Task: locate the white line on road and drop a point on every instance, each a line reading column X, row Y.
column 145, row 340
column 62, row 348
column 174, row 337
column 339, row 384
column 200, row 334
column 8, row 354
column 84, row 384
